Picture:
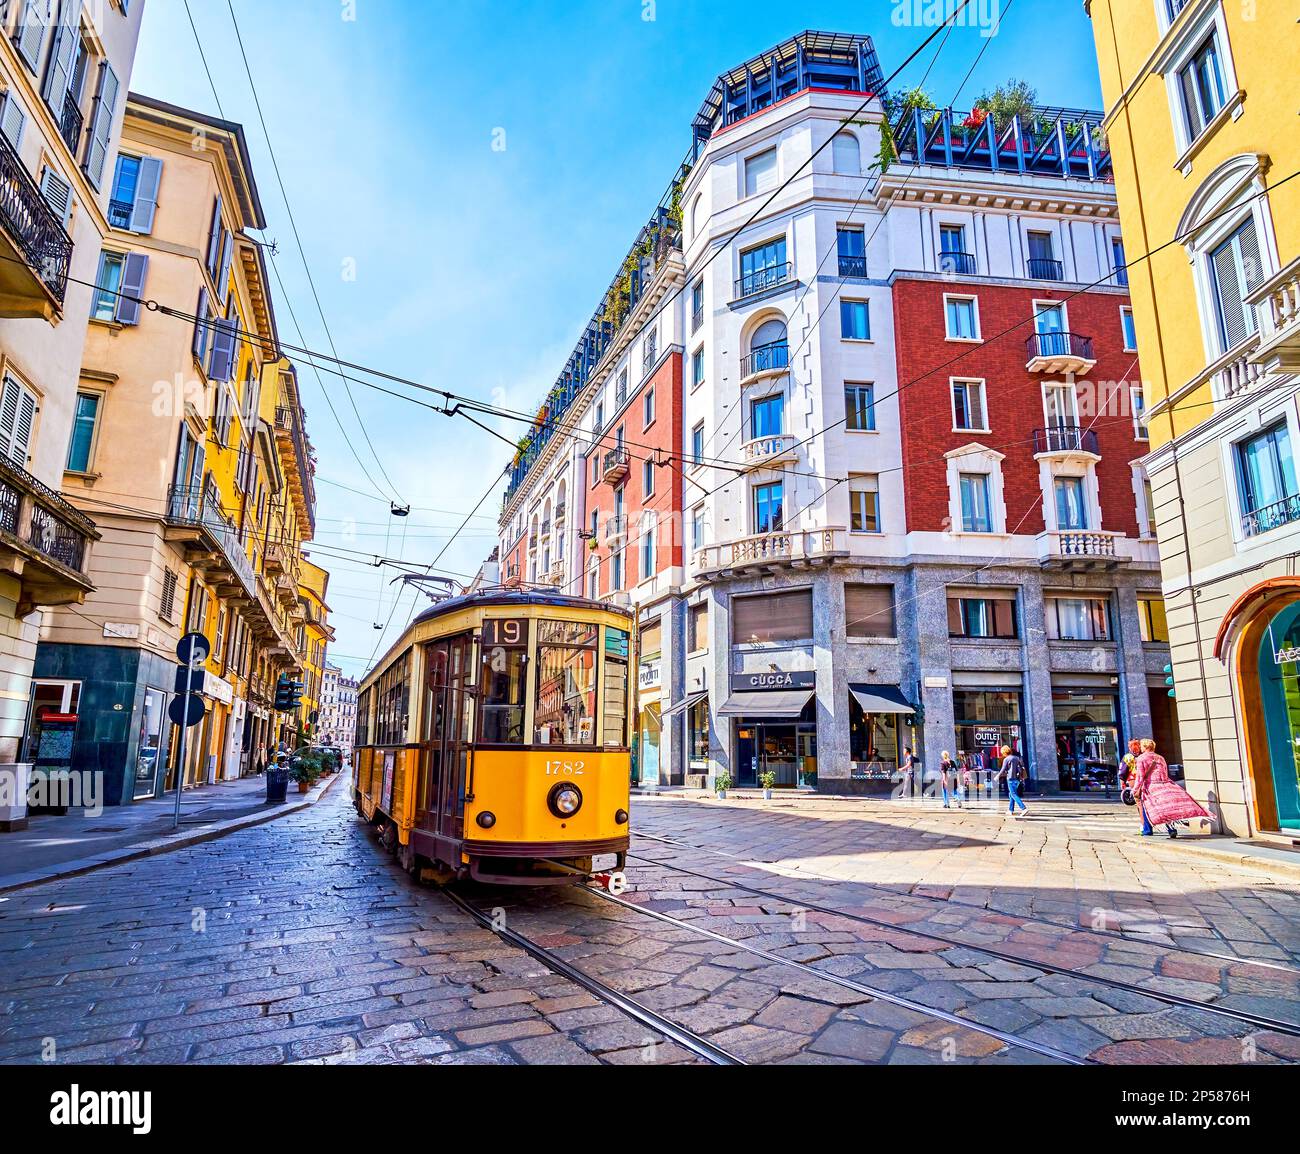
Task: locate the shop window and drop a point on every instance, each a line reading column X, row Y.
column 873, row 740
column 698, row 724
column 1087, row 738
column 869, row 611
column 990, row 617
column 773, row 618
column 985, row 721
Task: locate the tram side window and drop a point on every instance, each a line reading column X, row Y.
column 503, row 681
column 565, row 710
column 616, row 666
column 363, row 720
column 394, row 702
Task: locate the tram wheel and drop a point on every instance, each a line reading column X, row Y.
column 388, row 837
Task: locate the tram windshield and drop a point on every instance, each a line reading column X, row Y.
column 565, row 711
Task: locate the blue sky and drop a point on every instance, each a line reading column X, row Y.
column 476, row 267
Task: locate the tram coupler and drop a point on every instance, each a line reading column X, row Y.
column 614, row 883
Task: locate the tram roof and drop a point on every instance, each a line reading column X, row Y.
column 495, row 597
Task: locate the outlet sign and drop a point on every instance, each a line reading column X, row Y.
column 798, row 679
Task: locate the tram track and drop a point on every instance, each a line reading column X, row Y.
column 1108, row 935
column 689, row 1040
column 1243, row 1017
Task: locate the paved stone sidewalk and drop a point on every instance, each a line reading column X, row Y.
column 1072, row 864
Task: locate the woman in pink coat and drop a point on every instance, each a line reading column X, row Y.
column 1162, row 801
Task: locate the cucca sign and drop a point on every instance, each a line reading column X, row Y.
column 800, row 679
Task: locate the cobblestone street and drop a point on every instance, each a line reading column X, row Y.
column 790, row 930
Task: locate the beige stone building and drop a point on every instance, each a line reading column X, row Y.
column 64, row 70
column 179, row 457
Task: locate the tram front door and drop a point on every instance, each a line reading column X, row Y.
column 448, row 731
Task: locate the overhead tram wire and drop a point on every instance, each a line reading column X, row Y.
column 302, row 252
column 268, row 346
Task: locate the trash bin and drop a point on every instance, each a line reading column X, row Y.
column 277, row 784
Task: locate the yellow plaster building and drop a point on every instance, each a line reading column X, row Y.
column 178, row 460
column 1202, row 126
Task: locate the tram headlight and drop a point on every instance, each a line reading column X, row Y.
column 487, row 819
column 564, row 800
column 620, row 816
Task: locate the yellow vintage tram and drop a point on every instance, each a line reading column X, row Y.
column 493, row 740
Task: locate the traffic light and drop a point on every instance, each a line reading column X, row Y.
column 288, row 694
column 1169, row 680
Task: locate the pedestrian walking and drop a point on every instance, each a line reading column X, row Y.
column 947, row 773
column 1013, row 769
column 910, row 766
column 1162, row 800
column 259, row 759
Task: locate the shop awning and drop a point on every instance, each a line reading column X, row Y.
column 770, row 703
column 881, row 699
column 685, row 704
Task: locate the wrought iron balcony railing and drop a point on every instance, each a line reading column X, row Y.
column 617, row 465
column 31, row 224
column 853, row 265
column 120, row 213
column 1065, row 439
column 760, row 280
column 1274, row 516
column 1060, row 345
column 70, row 124
column 195, row 506
column 1043, row 268
column 768, row 358
column 957, row 263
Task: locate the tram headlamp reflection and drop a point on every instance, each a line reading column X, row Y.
column 486, row 819
column 564, row 800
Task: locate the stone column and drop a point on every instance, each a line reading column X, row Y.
column 830, row 660
column 719, row 669
column 1039, row 719
column 1134, row 697
column 923, row 629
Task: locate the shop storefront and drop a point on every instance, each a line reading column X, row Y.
column 986, row 720
column 694, row 708
column 775, row 728
column 1278, row 663
column 879, row 730
column 1088, row 740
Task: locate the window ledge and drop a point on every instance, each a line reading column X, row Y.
column 84, row 477
column 869, row 431
column 115, row 326
column 858, row 340
column 1232, row 109
column 965, row 340
column 959, row 429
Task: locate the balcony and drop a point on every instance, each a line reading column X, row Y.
column 957, row 263
column 35, row 251
column 616, row 467
column 554, row 575
column 1079, row 549
column 70, row 124
column 785, row 548
column 770, row 360
column 1065, row 441
column 1284, row 512
column 1060, row 353
column 761, row 281
column 276, row 561
column 1277, row 308
column 766, row 452
column 1044, row 268
column 292, row 439
column 196, row 522
column 852, row 265
column 616, row 528
column 45, row 541
column 1234, row 374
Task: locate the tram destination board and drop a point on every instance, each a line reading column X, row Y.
column 506, row 632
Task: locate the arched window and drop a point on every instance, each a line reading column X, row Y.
column 846, row 154
column 769, row 332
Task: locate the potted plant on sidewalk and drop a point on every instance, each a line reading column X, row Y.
column 767, row 779
column 721, row 784
column 306, row 770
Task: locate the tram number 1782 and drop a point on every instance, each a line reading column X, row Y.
column 565, row 768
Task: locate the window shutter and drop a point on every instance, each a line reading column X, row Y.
column 146, row 196
column 58, row 72
column 31, row 30
column 133, row 277
column 1232, row 312
column 58, row 194
column 221, row 362
column 869, row 610
column 102, row 123
column 223, row 273
column 214, row 237
column 8, row 415
column 200, row 345
column 774, row 618
column 19, row 443
column 12, row 121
